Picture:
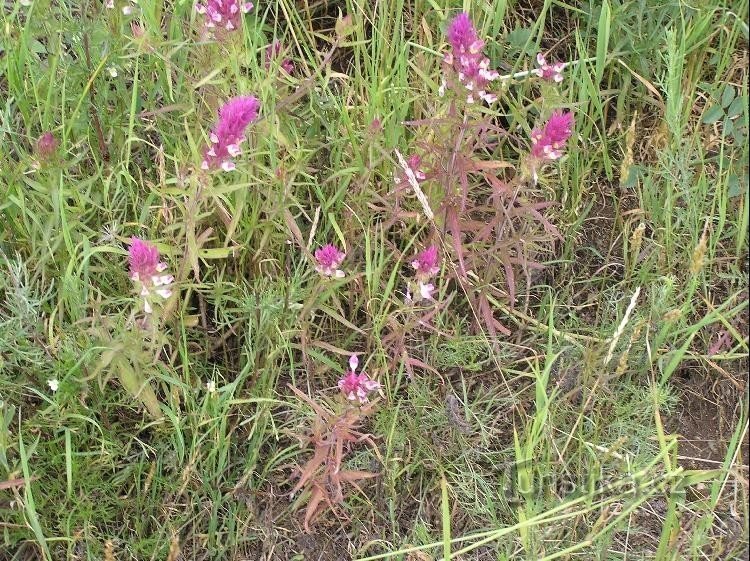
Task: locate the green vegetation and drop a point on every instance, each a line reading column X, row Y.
column 609, row 424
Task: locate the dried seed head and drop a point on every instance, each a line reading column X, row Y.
column 699, row 254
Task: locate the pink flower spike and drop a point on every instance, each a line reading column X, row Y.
column 273, row 51
column 46, row 146
column 146, row 272
column 548, row 142
column 426, row 263
column 353, row 362
column 143, row 259
column 329, row 259
column 461, row 34
column 467, row 61
column 549, row 72
column 234, row 117
column 229, row 11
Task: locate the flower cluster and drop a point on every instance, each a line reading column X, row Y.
column 549, row 72
column 467, row 59
column 548, row 141
column 273, row 51
column 328, row 260
column 234, row 117
column 425, row 265
column 355, row 387
column 224, row 14
column 146, row 272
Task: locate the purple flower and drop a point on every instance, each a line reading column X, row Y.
column 273, row 51
column 229, row 133
column 46, row 146
column 224, row 14
column 467, row 59
column 329, row 259
column 548, row 142
column 355, row 387
column 146, row 271
column 426, row 263
column 550, row 72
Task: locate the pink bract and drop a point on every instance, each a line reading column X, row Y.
column 46, row 146
column 143, row 259
column 426, row 263
column 224, row 14
column 467, row 59
column 329, row 259
column 229, row 132
column 147, row 272
column 549, row 141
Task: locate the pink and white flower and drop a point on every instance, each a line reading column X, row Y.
column 466, row 58
column 223, row 14
column 328, row 260
column 547, row 142
column 147, row 272
column 426, row 263
column 550, row 72
column 426, row 266
column 355, row 387
column 229, row 133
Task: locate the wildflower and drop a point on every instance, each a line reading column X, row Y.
column 146, row 271
column 46, row 146
column 426, row 263
column 426, row 266
column 54, row 384
column 355, row 387
column 467, row 59
column 225, row 14
column 273, row 51
column 412, row 171
column 229, row 132
column 550, row 72
column 211, row 386
column 112, row 71
column 547, row 142
column 329, row 259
